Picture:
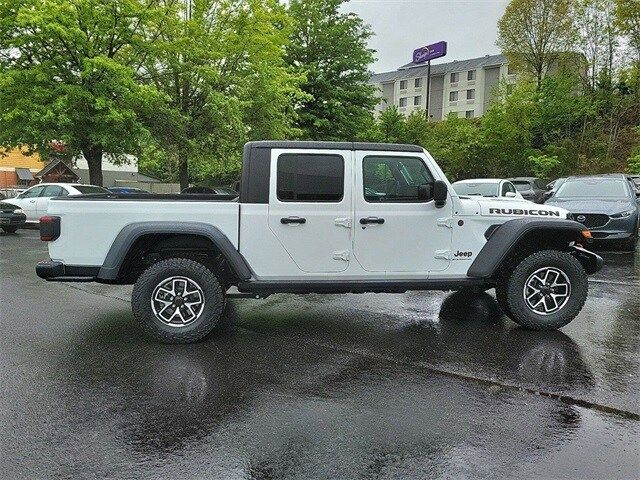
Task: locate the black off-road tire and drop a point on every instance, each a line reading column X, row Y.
column 10, row 229
column 214, row 300
column 501, row 298
column 513, row 287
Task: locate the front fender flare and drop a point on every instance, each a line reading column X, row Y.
column 505, row 238
column 129, row 234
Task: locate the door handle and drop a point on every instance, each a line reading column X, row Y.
column 365, row 221
column 287, row 220
column 32, row 201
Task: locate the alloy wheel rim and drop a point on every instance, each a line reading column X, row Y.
column 547, row 290
column 177, row 301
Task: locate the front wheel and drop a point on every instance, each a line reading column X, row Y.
column 178, row 300
column 544, row 291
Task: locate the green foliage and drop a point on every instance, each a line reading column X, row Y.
column 548, row 130
column 330, row 48
column 544, row 166
column 634, row 164
column 533, row 33
column 226, row 82
column 67, row 73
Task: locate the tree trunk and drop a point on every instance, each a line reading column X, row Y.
column 183, row 166
column 93, row 156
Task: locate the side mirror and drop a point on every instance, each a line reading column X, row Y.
column 440, row 193
column 510, row 195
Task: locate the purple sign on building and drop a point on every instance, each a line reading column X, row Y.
column 424, row 54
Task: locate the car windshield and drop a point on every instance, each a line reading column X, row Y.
column 90, row 189
column 522, row 186
column 482, row 189
column 592, row 188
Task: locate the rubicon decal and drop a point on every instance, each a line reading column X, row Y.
column 521, row 211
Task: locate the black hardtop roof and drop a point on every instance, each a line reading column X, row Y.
column 383, row 147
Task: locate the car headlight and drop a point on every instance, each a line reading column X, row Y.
column 18, row 210
column 625, row 214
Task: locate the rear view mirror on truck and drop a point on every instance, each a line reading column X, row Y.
column 440, row 193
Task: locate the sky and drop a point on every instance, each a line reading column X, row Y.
column 468, row 26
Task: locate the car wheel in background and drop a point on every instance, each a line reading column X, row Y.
column 10, row 229
column 178, row 300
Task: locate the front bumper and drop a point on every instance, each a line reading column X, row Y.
column 616, row 229
column 54, row 271
column 12, row 219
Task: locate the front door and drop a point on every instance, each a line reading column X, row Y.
column 398, row 228
column 310, row 207
column 28, row 201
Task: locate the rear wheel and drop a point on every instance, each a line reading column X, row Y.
column 544, row 291
column 178, row 300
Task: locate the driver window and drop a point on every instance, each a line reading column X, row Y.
column 33, row 192
column 396, row 179
column 507, row 187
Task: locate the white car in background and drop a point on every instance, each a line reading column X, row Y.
column 34, row 200
column 487, row 187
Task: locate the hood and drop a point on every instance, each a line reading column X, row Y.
column 591, row 205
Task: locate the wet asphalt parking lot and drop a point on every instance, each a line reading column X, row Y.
column 417, row 385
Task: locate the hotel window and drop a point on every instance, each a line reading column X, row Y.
column 468, row 114
column 417, row 83
column 403, row 102
column 455, row 77
column 453, row 96
column 471, row 75
column 417, row 100
column 471, row 94
column 403, row 84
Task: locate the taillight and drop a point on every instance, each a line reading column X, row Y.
column 49, row 228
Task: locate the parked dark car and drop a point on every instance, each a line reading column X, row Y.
column 552, row 187
column 210, row 191
column 606, row 204
column 11, row 217
column 126, row 190
column 531, row 188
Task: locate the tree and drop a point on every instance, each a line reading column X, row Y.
column 597, row 36
column 628, row 21
column 330, row 48
column 67, row 73
column 535, row 33
column 223, row 72
column 391, row 124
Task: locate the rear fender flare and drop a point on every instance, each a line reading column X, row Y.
column 129, row 234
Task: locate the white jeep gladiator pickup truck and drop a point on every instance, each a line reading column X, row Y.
column 319, row 217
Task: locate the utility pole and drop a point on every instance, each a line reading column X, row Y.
column 426, row 112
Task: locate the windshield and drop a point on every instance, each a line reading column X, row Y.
column 90, row 189
column 595, row 188
column 522, row 186
column 483, row 189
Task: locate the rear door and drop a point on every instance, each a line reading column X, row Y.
column 310, row 207
column 398, row 228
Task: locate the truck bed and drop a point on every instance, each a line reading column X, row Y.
column 90, row 223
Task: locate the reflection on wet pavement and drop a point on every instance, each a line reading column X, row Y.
column 422, row 385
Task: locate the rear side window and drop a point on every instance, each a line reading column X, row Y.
column 396, row 179
column 32, row 192
column 306, row 177
column 54, row 191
